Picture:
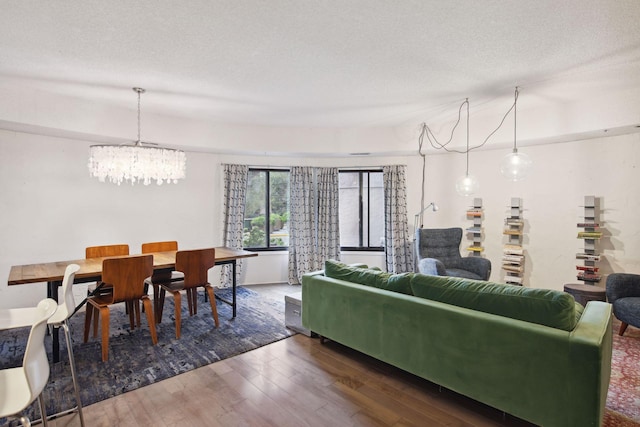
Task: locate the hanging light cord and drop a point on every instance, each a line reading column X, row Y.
column 138, row 117
column 433, row 141
column 139, row 91
column 467, row 170
column 515, row 120
column 424, row 168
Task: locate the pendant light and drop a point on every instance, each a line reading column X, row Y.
column 467, row 185
column 515, row 165
column 137, row 162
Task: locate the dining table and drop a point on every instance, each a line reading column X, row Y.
column 91, row 271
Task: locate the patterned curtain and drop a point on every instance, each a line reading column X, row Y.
column 398, row 249
column 313, row 220
column 302, row 222
column 235, row 188
column 328, row 243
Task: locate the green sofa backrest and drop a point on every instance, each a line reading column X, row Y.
column 369, row 276
column 542, row 306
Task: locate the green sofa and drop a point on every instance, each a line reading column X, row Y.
column 532, row 353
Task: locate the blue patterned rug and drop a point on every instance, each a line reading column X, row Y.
column 134, row 362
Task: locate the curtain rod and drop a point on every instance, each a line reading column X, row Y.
column 314, row 166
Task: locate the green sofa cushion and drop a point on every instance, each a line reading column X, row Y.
column 369, row 276
column 545, row 307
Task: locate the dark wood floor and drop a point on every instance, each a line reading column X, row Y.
column 293, row 382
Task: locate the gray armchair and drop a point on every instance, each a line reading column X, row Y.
column 623, row 292
column 438, row 254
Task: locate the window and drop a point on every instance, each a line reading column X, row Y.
column 267, row 191
column 361, row 210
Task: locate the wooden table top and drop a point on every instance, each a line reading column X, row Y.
column 91, row 268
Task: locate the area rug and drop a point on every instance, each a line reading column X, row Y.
column 623, row 399
column 134, row 362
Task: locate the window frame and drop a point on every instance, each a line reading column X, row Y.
column 362, row 248
column 268, row 171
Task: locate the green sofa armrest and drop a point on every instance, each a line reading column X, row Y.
column 591, row 350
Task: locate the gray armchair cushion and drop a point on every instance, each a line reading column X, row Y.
column 479, row 268
column 623, row 292
column 431, row 267
column 443, row 245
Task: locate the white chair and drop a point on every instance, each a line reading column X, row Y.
column 59, row 320
column 20, row 386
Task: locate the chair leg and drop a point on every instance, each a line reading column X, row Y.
column 87, row 321
column 156, row 302
column 132, row 314
column 212, row 301
column 72, row 365
column 104, row 313
column 148, row 309
column 161, row 305
column 190, row 301
column 194, row 303
column 623, row 327
column 177, row 302
column 136, row 306
column 96, row 316
column 43, row 411
column 24, row 421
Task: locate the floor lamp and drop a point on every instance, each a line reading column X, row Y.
column 431, row 205
column 434, row 208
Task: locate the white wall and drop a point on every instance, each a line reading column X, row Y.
column 50, row 209
column 552, row 197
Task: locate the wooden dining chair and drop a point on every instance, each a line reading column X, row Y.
column 170, row 245
column 195, row 264
column 126, row 276
column 101, row 252
column 160, row 276
column 106, row 250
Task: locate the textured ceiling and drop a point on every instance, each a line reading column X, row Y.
column 307, row 63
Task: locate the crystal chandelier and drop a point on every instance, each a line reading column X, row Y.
column 137, row 162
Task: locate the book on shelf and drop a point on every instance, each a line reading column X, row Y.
column 587, row 268
column 512, row 232
column 513, row 279
column 474, row 213
column 475, row 248
column 588, row 224
column 514, row 222
column 513, row 268
column 513, row 258
column 513, row 250
column 589, row 235
column 588, row 277
column 590, row 257
column 474, row 230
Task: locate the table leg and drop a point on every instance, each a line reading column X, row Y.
column 233, row 280
column 233, row 302
column 52, row 292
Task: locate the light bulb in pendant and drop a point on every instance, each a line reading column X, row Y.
column 515, row 165
column 467, row 185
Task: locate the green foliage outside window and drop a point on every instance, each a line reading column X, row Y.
column 267, row 194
